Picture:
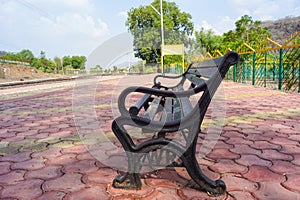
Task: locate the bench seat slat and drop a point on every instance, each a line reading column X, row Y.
column 153, row 108
column 143, row 101
column 186, row 106
column 185, row 103
column 182, row 106
column 177, row 111
column 167, row 114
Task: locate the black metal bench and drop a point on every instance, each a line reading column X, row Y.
column 166, row 112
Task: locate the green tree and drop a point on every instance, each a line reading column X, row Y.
column 208, row 41
column 66, row 62
column 43, row 54
column 43, row 64
column 96, row 70
column 36, row 63
column 58, row 64
column 115, row 69
column 78, row 62
column 144, row 24
column 26, row 55
column 246, row 30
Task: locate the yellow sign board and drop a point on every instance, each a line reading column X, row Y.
column 173, row 49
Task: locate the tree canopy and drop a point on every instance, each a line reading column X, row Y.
column 44, row 64
column 207, row 40
column 144, row 23
column 246, row 30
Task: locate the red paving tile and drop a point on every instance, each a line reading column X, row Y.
column 93, row 193
column 222, row 153
column 62, row 160
column 274, row 190
column 11, row 178
column 84, row 166
column 57, row 195
column 263, row 174
column 32, row 164
column 4, row 167
column 42, row 157
column 65, row 183
column 293, row 182
column 46, row 173
column 101, row 176
column 244, row 149
column 271, row 154
column 27, row 190
column 228, row 166
column 249, row 160
column 284, row 167
column 236, row 182
column 242, row 195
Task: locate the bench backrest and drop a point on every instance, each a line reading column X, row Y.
column 210, row 74
column 199, row 72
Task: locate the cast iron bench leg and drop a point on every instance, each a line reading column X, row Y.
column 131, row 179
column 128, row 181
column 191, row 164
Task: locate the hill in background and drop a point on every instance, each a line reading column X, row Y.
column 282, row 29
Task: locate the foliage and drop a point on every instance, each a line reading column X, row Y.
column 58, row 64
column 144, row 23
column 74, row 62
column 24, row 55
column 208, row 41
column 77, row 62
column 96, row 70
column 44, row 64
column 246, row 30
column 115, row 69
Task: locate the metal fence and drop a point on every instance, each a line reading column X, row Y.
column 271, row 65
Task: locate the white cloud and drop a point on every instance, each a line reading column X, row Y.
column 70, row 24
column 32, row 26
column 223, row 25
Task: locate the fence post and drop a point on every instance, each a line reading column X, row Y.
column 280, row 69
column 265, row 71
column 254, row 69
column 234, row 72
column 243, row 73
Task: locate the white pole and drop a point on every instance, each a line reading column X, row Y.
column 162, row 35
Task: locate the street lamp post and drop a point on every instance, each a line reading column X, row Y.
column 162, row 36
column 162, row 32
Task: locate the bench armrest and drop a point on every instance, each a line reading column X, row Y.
column 159, row 84
column 155, row 92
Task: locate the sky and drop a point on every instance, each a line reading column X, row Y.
column 78, row 27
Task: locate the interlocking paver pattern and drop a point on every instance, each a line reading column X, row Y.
column 43, row 157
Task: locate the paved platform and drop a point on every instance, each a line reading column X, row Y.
column 43, row 157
